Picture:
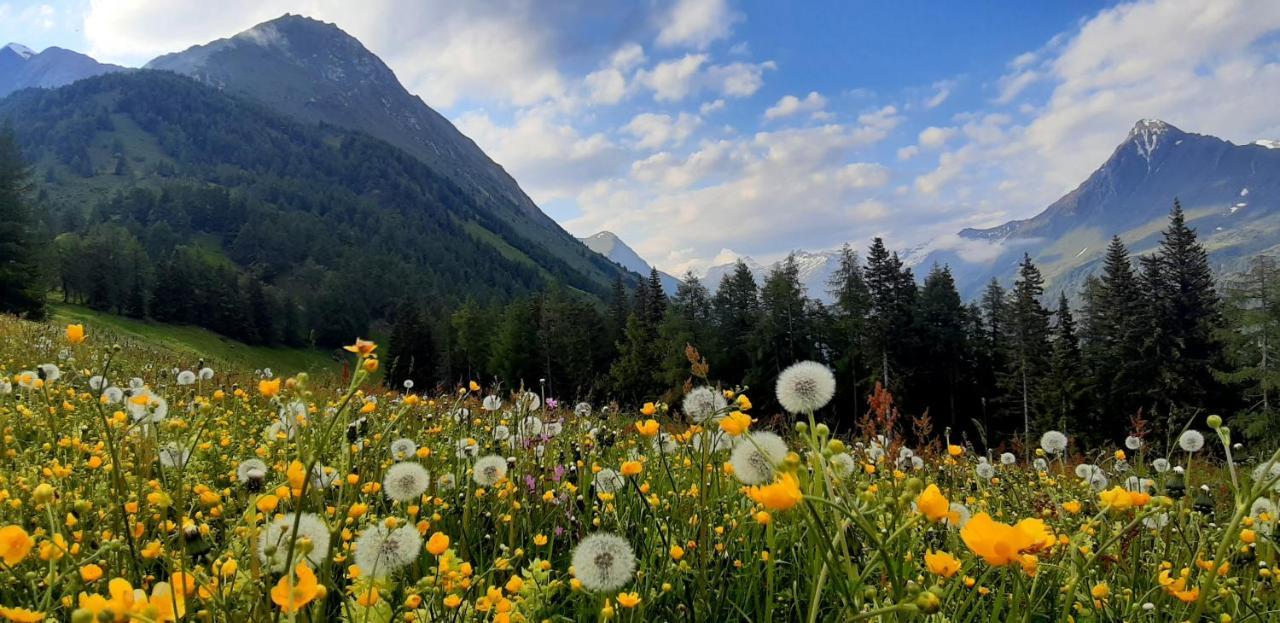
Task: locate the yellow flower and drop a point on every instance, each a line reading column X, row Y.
column 1100, row 590
column 475, row 387
column 1119, row 499
column 631, row 468
column 21, row 615
column 783, row 494
column 75, row 333
column 267, row 503
column 90, row 572
column 955, row 450
column 292, row 596
column 297, row 475
column 649, row 408
column 932, row 504
column 941, row 563
column 438, row 543
column 269, row 387
column 15, row 544
column 1178, row 588
column 676, row 552
column 452, row 601
column 648, row 428
column 997, row 543
column 735, row 423
column 1248, row 536
column 1072, row 507
column 628, row 600
column 362, row 347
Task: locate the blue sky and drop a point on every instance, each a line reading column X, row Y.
column 700, row 130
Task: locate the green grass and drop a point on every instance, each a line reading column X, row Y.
column 197, row 342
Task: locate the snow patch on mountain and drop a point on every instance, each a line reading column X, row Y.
column 21, row 50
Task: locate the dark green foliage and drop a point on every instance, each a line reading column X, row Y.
column 20, row 285
column 411, row 352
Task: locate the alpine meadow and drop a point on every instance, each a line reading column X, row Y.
column 925, row 312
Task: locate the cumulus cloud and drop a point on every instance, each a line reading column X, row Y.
column 653, row 130
column 696, row 23
column 934, row 137
column 791, row 105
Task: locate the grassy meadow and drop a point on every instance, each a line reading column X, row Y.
column 136, row 485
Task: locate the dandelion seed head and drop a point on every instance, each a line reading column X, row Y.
column 805, row 387
column 405, row 481
column 402, row 449
column 1053, row 442
column 755, row 458
column 489, row 470
column 310, row 547
column 603, row 562
column 703, row 403
column 381, row 551
column 1191, row 441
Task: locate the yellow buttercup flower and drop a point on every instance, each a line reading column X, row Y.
column 15, row 544
column 631, row 468
column 269, row 387
column 649, row 409
column 648, row 428
column 75, row 333
column 998, row 543
column 932, row 504
column 293, row 594
column 628, row 600
column 362, row 347
column 782, row 495
column 735, row 423
column 941, row 563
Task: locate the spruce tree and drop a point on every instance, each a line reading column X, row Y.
column 892, row 292
column 1251, row 336
column 1114, row 332
column 20, row 291
column 991, row 347
column 688, row 322
column 851, row 303
column 783, row 334
column 1066, row 390
column 737, row 310
column 1028, row 349
column 940, row 330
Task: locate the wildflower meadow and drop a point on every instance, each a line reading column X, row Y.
column 136, row 485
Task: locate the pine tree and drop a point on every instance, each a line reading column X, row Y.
column 512, row 354
column 851, row 303
column 1185, row 313
column 1114, row 333
column 737, row 310
column 688, row 322
column 1028, row 348
column 940, row 328
column 1252, row 334
column 1067, row 379
column 411, row 354
column 20, row 291
column 892, row 291
column 783, row 334
column 990, row 345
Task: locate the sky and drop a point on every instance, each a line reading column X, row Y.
column 703, row 130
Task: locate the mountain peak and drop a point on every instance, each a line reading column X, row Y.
column 21, row 50
column 1148, row 134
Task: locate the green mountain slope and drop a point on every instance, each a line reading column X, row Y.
column 340, row 222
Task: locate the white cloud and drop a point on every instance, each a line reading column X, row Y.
column 696, row 23
column 709, row 107
column 934, row 137
column 908, row 152
column 790, row 105
column 941, row 91
column 673, row 80
column 653, row 131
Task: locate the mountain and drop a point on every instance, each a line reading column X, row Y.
column 1230, row 194
column 313, row 71
column 815, row 270
column 22, row 68
column 157, row 165
column 609, row 245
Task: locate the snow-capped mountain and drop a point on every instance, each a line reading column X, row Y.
column 606, row 243
column 815, row 271
column 22, row 68
column 1230, row 193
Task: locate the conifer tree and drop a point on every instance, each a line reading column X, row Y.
column 737, row 310
column 20, row 291
column 1251, row 337
column 1066, row 391
column 892, row 291
column 783, row 334
column 851, row 303
column 1028, row 348
column 940, row 331
column 1114, row 332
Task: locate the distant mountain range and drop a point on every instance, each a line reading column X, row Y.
column 1230, row 194
column 21, row 68
column 609, row 245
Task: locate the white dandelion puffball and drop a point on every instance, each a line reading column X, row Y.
column 206, row 374
column 582, row 409
column 251, row 469
column 323, row 477
column 1139, row 485
column 703, row 403
column 404, row 482
column 1268, row 472
column 1161, row 465
column 174, row 455
column 467, row 448
column 959, row 515
column 380, row 551
column 529, row 401
column 530, row 426
column 603, row 562
column 489, row 470
column 716, row 441
column 665, row 443
column 1156, row 521
column 985, row 471
column 6, row 387
column 1191, row 441
column 461, row 414
column 49, row 372
column 1008, row 458
column 843, row 464
column 1264, row 512
column 137, row 383
column 1041, row 465
column 1133, row 443
column 756, row 457
column 492, row 403
column 1085, row 471
column 552, row 429
column 402, row 449
column 446, row 481
column 1053, row 442
column 186, row 377
column 609, row 481
column 97, row 382
column 1099, row 481
column 501, row 432
column 805, row 387
column 147, row 408
column 917, row 463
column 311, row 545
column 113, row 395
